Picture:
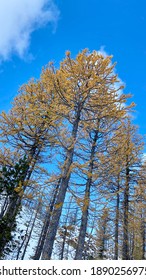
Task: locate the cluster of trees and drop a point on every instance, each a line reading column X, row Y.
column 72, row 171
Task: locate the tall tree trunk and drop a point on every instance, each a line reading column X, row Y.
column 143, row 235
column 84, row 219
column 132, row 245
column 46, row 225
column 63, row 243
column 117, row 223
column 126, row 210
column 65, row 232
column 102, row 248
column 48, row 246
column 30, row 233
column 25, row 238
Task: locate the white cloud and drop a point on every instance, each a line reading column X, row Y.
column 120, row 83
column 18, row 19
column 102, row 51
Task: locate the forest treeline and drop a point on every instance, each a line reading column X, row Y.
column 72, row 170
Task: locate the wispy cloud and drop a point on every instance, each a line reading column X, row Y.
column 120, row 83
column 18, row 19
column 102, row 51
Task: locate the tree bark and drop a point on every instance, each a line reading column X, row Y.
column 84, row 219
column 46, row 226
column 117, row 223
column 126, row 210
column 48, row 246
column 30, row 233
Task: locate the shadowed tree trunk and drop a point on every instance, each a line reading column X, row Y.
column 126, row 210
column 48, row 246
column 31, row 230
column 117, row 222
column 43, row 235
column 84, row 219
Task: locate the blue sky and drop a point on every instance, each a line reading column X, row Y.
column 34, row 32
